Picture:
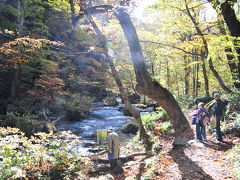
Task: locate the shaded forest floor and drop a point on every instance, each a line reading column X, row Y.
column 204, row 160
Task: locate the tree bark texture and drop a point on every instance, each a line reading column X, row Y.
column 150, row 88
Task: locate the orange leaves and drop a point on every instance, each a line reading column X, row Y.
column 22, row 49
column 48, row 85
column 165, row 162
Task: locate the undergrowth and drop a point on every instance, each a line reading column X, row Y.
column 47, row 156
column 150, row 119
column 234, row 157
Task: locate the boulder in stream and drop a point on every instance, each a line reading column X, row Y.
column 126, row 112
column 110, row 101
column 134, row 98
column 130, row 128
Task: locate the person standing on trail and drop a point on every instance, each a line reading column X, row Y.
column 113, row 147
column 201, row 116
column 218, row 107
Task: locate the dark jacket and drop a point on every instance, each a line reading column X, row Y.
column 218, row 108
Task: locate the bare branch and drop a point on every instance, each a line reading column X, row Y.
column 168, row 45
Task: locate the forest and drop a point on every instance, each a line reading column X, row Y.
column 158, row 78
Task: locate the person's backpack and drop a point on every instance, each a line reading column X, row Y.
column 194, row 120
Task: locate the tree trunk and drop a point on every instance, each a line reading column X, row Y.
column 132, row 83
column 20, row 18
column 233, row 25
column 195, row 73
column 233, row 67
column 222, row 84
column 186, row 76
column 230, row 18
column 73, row 12
column 230, row 57
column 168, row 74
column 135, row 113
column 204, row 70
column 177, row 84
column 14, row 84
column 215, row 73
column 202, row 57
column 198, row 85
column 150, row 88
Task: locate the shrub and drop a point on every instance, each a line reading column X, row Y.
column 234, row 102
column 22, row 122
column 51, row 156
column 164, row 126
column 233, row 156
column 231, row 127
column 130, row 128
column 77, row 107
column 29, row 123
column 150, row 119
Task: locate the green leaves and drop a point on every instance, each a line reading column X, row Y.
column 38, row 157
column 150, row 119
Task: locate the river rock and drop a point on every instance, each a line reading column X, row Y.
column 126, row 112
column 118, row 170
column 74, row 115
column 110, row 101
column 106, row 177
column 130, row 128
column 134, row 98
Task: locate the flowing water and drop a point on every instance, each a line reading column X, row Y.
column 101, row 118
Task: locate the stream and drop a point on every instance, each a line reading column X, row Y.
column 103, row 117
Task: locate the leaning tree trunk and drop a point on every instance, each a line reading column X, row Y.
column 150, row 88
column 134, row 112
column 215, row 73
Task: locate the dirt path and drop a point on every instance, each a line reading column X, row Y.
column 204, row 160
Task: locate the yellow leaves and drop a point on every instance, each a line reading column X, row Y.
column 9, row 32
column 8, row 131
column 236, row 141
